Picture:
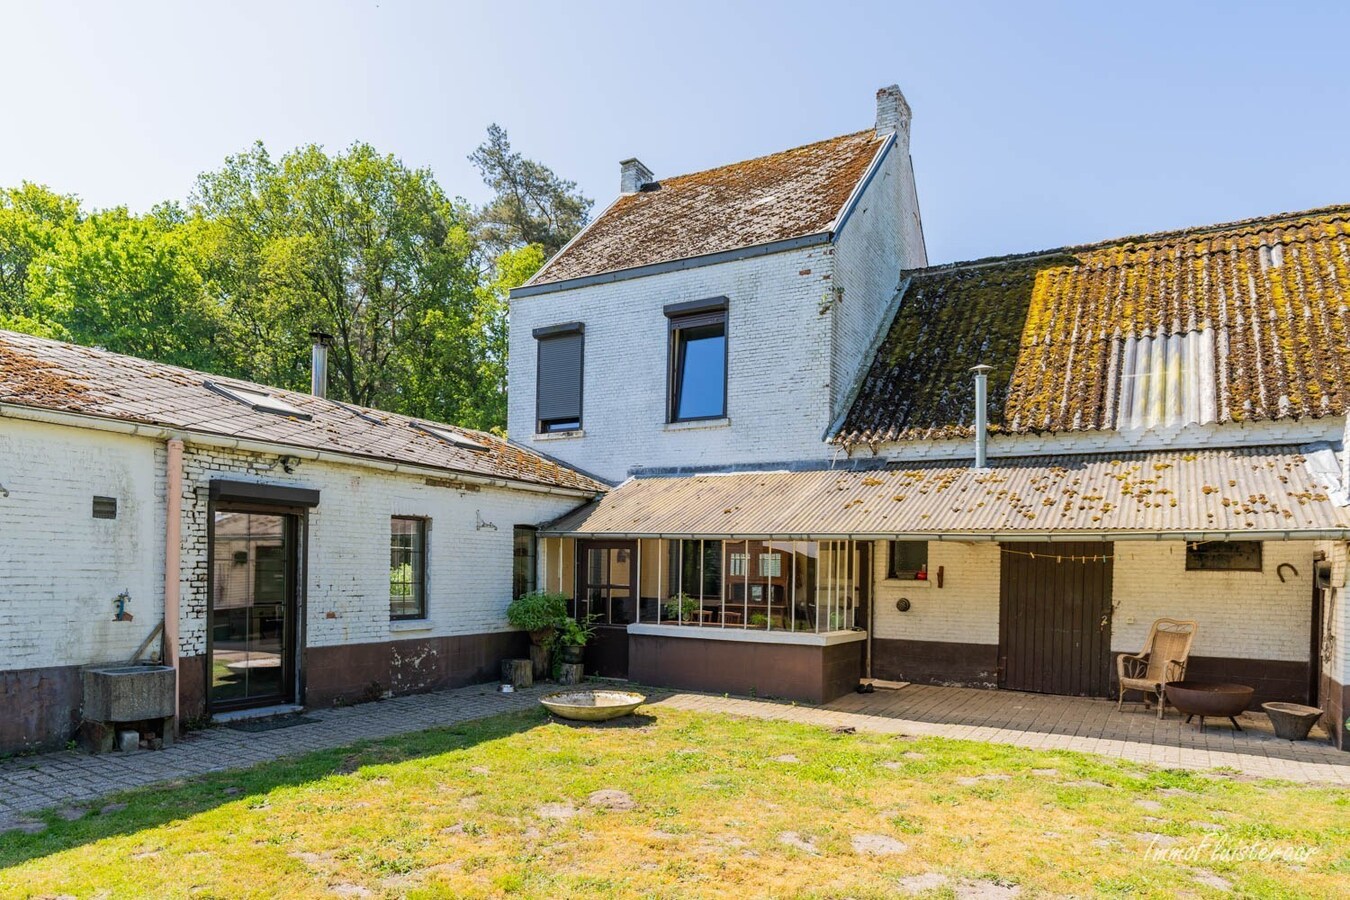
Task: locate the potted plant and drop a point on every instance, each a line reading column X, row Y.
column 572, row 637
column 682, row 608
column 539, row 613
column 759, row 620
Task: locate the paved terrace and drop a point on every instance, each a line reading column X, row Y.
column 73, row 782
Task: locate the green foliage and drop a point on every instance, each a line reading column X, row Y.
column 572, row 633
column 412, row 284
column 682, row 607
column 537, row 611
column 532, row 204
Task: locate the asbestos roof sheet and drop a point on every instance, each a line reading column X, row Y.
column 46, row 374
column 784, row 195
column 1248, row 490
column 1227, row 323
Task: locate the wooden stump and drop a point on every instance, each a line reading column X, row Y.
column 539, row 657
column 571, row 673
column 517, row 673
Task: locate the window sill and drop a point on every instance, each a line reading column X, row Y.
column 749, row 635
column 910, row 582
column 401, row 625
column 698, row 424
column 559, row 435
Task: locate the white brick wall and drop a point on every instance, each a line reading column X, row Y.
column 793, row 347
column 777, row 376
column 468, row 569
column 964, row 610
column 881, row 237
column 1240, row 614
column 61, row 568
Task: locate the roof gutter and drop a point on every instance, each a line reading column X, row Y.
column 1320, row 534
column 222, row 442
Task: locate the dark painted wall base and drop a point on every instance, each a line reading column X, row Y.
column 39, row 708
column 1335, row 705
column 353, row 672
column 935, row 662
column 786, row 671
column 976, row 665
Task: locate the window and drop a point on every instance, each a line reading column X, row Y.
column 698, row 360
column 909, row 560
column 1231, row 556
column 257, row 400
column 771, row 565
column 558, row 388
column 462, row 441
column 524, row 564
column 696, row 568
column 407, row 568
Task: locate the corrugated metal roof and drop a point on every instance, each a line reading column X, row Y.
column 784, row 195
column 1256, row 490
column 1238, row 322
column 46, row 374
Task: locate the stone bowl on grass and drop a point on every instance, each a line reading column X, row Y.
column 592, row 705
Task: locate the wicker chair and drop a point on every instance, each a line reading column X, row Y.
column 1163, row 659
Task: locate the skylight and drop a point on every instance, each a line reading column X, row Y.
column 258, row 400
column 451, row 437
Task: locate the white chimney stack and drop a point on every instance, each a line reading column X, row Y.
column 982, row 415
column 893, row 113
column 633, row 175
column 318, row 363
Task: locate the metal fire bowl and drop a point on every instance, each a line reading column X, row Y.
column 1209, row 698
column 592, row 706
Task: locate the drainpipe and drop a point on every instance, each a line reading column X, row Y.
column 173, row 529
column 318, row 363
column 982, row 415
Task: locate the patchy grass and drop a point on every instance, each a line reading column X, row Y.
column 694, row 805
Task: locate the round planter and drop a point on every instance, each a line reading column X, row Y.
column 571, row 653
column 592, row 706
column 1292, row 721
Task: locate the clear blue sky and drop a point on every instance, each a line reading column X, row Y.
column 1035, row 125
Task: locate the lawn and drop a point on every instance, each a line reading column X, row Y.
column 676, row 804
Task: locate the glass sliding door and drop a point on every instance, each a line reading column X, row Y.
column 252, row 611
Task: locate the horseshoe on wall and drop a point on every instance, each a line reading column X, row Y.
column 1279, row 570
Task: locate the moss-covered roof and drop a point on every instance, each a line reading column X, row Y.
column 1244, row 321
column 790, row 194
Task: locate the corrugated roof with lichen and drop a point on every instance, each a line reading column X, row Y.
column 1227, row 323
column 45, row 374
column 784, row 195
column 1247, row 490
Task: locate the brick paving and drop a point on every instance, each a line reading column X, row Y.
column 73, row 780
column 1044, row 722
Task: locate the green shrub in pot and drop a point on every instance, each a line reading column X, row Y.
column 538, row 612
column 682, row 607
column 572, row 637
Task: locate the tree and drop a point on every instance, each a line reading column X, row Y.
column 357, row 245
column 128, row 284
column 532, row 205
column 31, row 218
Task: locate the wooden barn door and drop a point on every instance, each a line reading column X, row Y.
column 1055, row 619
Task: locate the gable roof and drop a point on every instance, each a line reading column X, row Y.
column 785, row 195
column 1227, row 323
column 45, row 374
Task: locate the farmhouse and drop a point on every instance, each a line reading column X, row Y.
column 835, row 461
column 759, row 441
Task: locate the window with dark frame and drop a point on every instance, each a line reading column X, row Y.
column 1223, row 556
column 559, row 378
column 698, row 360
column 908, row 560
column 525, row 561
column 407, row 568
